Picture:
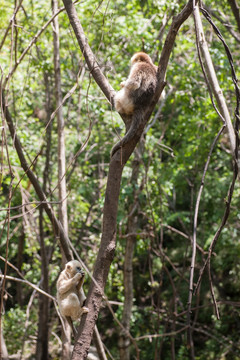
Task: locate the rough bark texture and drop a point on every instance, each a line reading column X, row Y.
column 103, row 262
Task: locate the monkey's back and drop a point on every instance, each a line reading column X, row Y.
column 148, row 74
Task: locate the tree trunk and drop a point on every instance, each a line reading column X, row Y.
column 62, row 189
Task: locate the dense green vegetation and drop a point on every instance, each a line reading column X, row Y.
column 171, row 157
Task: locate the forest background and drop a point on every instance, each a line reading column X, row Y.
column 170, row 203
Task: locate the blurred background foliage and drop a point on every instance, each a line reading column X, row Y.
column 175, row 150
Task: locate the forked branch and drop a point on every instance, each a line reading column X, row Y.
column 117, row 162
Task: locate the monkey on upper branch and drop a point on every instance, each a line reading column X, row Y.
column 136, row 93
column 70, row 295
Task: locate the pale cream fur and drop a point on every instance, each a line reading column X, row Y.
column 70, row 295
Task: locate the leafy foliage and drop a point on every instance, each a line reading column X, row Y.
column 176, row 148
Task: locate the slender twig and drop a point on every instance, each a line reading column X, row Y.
column 32, row 42
column 154, row 336
column 24, row 281
column 235, row 164
column 212, row 290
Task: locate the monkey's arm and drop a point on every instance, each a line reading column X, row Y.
column 80, row 284
column 65, row 285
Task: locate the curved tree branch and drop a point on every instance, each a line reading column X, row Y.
column 87, row 52
column 108, row 240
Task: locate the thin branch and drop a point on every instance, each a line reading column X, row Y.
column 211, row 78
column 32, row 42
column 212, row 291
column 55, row 222
column 235, row 9
column 30, row 284
column 87, row 52
column 235, row 165
column 154, row 336
column 10, row 23
column 224, row 22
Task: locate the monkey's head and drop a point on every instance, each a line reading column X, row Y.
column 141, row 57
column 73, row 267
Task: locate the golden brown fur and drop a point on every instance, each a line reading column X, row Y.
column 136, row 94
column 139, row 86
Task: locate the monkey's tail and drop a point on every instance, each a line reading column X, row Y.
column 137, row 120
column 70, row 322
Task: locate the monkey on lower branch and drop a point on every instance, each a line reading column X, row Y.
column 136, row 93
column 70, row 295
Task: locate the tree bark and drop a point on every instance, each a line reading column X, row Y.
column 212, row 78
